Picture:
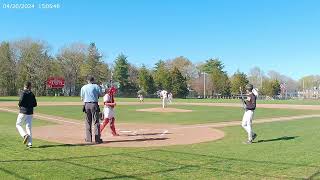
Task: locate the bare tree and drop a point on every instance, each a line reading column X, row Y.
column 33, row 63
column 256, row 77
column 71, row 59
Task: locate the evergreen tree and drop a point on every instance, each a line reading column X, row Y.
column 270, row 87
column 7, row 71
column 210, row 65
column 145, row 80
column 220, row 80
column 94, row 65
column 238, row 80
column 162, row 76
column 179, row 84
column 121, row 74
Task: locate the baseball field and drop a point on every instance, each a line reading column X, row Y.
column 191, row 139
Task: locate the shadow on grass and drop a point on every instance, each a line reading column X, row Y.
column 284, row 138
column 171, row 166
column 104, row 142
column 63, row 145
column 17, row 176
column 116, row 175
column 226, row 159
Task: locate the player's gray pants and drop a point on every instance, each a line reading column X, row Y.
column 247, row 123
column 92, row 116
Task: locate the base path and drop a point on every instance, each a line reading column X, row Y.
column 70, row 131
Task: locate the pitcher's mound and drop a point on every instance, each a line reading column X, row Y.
column 164, row 110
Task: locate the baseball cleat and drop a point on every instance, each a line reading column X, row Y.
column 247, row 142
column 87, row 141
column 100, row 141
column 25, row 139
column 29, row 146
column 254, row 136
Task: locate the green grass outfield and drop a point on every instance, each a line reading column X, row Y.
column 290, row 150
column 77, row 99
column 200, row 114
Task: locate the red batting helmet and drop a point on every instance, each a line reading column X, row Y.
column 112, row 90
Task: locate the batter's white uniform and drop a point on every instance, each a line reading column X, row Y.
column 164, row 96
column 248, row 116
column 108, row 110
column 247, row 123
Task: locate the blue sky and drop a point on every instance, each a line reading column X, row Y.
column 280, row 35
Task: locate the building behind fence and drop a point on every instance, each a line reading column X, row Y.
column 309, row 94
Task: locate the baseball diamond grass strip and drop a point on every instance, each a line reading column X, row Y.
column 287, row 150
column 200, row 114
column 77, row 99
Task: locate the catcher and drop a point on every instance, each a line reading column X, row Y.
column 108, row 110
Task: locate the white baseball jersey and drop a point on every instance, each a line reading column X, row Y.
column 163, row 94
column 108, row 110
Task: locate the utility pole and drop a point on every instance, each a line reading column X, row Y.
column 260, row 78
column 204, row 84
column 260, row 81
column 303, row 92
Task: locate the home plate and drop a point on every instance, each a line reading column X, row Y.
column 164, row 132
column 125, row 131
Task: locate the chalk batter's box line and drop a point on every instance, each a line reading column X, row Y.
column 165, row 131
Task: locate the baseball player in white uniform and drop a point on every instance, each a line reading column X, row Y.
column 164, row 97
column 108, row 111
column 140, row 96
column 249, row 106
column 170, row 97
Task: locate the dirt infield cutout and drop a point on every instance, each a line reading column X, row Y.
column 131, row 135
column 68, row 131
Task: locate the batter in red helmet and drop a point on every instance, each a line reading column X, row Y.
column 108, row 110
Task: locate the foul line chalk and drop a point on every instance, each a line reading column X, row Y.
column 55, row 119
column 42, row 117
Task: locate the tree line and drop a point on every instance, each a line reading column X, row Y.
column 29, row 59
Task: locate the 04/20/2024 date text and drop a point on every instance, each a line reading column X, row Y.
column 30, row 6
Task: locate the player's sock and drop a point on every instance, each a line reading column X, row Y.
column 103, row 125
column 113, row 128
